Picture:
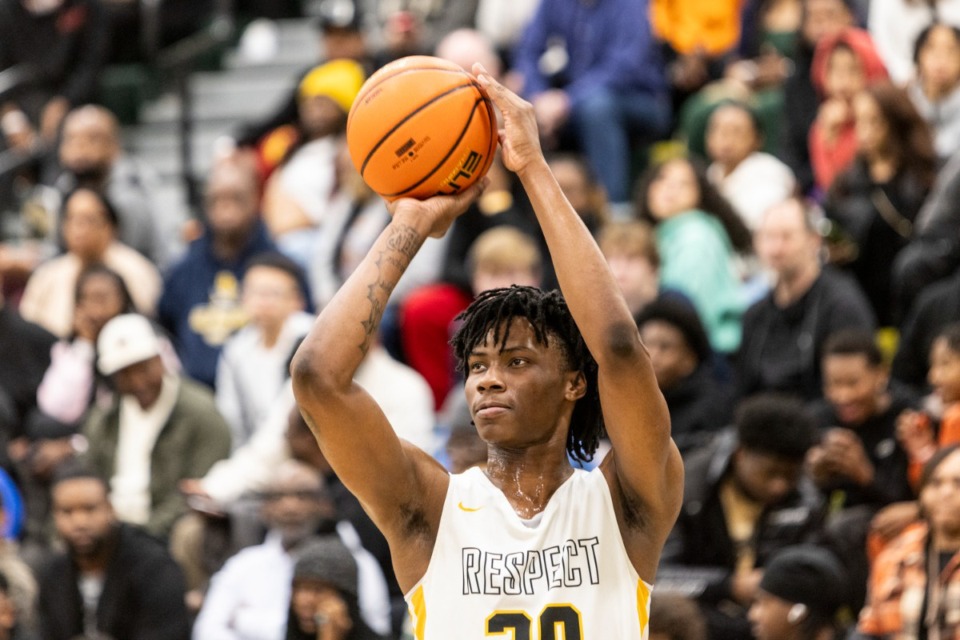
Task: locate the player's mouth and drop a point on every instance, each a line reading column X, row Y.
column 489, row 409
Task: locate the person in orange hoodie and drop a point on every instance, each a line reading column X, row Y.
column 843, row 65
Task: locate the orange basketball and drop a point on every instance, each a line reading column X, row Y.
column 421, row 126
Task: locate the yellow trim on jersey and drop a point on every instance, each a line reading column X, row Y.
column 418, row 611
column 643, row 606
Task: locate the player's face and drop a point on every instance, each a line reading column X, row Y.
column 82, row 514
column 518, row 394
column 768, row 618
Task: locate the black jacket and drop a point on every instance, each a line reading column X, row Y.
column 935, row 308
column 699, row 407
column 66, row 50
column 699, row 556
column 878, row 435
column 781, row 346
column 142, row 596
column 868, row 211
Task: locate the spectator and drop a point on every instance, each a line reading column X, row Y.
column 249, row 597
column 858, row 464
column 682, row 360
column 675, row 617
column 821, row 19
column 896, row 25
column 162, row 428
column 499, row 257
column 843, row 65
column 858, row 460
column 90, row 230
column 800, row 596
column 502, row 22
column 12, row 626
column 200, row 301
column 303, row 447
column 18, row 586
column 323, row 598
column 91, row 156
column 69, row 384
column 64, row 45
column 341, row 36
column 917, row 431
column 699, row 36
column 631, row 251
column 752, row 181
column 68, row 389
column 113, row 578
column 297, row 195
column 935, row 308
column 738, row 493
column 26, row 355
column 612, row 89
column 876, row 200
column 698, row 236
column 784, row 332
column 910, row 579
column 935, row 88
column 396, row 29
column 253, row 364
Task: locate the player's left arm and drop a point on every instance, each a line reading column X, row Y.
column 644, row 470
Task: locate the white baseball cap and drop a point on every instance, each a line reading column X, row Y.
column 125, row 340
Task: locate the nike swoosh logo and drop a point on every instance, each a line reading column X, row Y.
column 468, row 509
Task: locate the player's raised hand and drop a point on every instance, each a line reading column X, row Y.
column 520, row 136
column 440, row 211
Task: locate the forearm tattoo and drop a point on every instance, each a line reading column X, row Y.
column 392, row 260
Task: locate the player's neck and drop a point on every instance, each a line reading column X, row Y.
column 528, row 477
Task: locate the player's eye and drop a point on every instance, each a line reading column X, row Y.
column 516, row 362
column 475, row 367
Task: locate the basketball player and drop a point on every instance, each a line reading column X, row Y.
column 528, row 546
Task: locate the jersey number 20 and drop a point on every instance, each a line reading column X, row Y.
column 552, row 616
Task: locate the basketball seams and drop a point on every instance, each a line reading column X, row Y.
column 389, row 76
column 383, row 138
column 453, row 147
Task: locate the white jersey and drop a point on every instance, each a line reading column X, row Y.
column 565, row 575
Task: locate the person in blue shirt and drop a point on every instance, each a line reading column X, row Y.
column 593, row 69
column 200, row 304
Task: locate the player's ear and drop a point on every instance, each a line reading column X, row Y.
column 576, row 386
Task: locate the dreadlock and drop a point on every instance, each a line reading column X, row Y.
column 550, row 318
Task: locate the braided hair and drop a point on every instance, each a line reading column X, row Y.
column 550, row 318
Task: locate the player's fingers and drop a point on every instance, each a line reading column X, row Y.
column 502, row 97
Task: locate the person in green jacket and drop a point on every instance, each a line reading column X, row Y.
column 699, row 237
column 160, row 429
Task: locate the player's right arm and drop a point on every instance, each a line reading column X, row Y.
column 400, row 487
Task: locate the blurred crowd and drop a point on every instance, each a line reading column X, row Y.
column 774, row 183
